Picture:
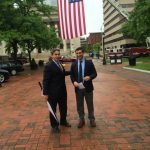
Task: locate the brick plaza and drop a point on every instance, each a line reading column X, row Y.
column 122, row 111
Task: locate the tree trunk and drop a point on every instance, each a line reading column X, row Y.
column 29, row 54
column 15, row 49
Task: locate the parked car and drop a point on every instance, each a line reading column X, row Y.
column 4, row 75
column 67, row 59
column 21, row 60
column 12, row 67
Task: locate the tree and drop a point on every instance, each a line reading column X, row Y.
column 89, row 48
column 37, row 35
column 93, row 47
column 9, row 25
column 97, row 47
column 21, row 26
column 138, row 26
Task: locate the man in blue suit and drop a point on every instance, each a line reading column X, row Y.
column 54, row 89
column 82, row 74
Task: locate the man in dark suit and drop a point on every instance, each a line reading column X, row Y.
column 82, row 74
column 54, row 89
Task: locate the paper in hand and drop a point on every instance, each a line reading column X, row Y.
column 50, row 109
column 81, row 86
column 40, row 84
column 49, row 106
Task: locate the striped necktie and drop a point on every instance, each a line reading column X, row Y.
column 59, row 65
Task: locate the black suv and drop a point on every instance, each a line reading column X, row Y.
column 11, row 66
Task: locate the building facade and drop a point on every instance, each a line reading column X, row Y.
column 113, row 21
column 94, row 38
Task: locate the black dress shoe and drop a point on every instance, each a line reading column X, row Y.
column 81, row 123
column 56, row 130
column 92, row 123
column 66, row 124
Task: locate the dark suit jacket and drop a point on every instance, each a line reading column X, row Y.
column 54, row 81
column 89, row 71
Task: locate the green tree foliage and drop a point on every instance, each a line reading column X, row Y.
column 89, row 48
column 96, row 47
column 21, row 25
column 9, row 25
column 37, row 35
column 138, row 26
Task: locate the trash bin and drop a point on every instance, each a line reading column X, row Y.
column 132, row 60
column 112, row 59
column 118, row 59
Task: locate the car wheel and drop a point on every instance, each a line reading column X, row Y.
column 2, row 78
column 13, row 72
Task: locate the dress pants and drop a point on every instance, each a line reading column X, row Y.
column 80, row 95
column 62, row 103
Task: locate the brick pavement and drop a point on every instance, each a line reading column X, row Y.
column 121, row 110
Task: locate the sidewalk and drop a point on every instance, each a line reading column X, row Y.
column 121, row 110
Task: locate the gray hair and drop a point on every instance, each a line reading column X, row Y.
column 54, row 50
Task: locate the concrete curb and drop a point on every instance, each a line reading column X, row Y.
column 136, row 69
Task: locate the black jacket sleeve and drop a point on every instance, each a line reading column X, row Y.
column 67, row 73
column 93, row 74
column 46, row 79
column 72, row 72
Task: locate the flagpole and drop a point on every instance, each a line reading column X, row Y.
column 103, row 47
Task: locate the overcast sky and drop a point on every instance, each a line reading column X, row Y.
column 93, row 14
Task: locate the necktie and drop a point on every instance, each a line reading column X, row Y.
column 80, row 71
column 59, row 65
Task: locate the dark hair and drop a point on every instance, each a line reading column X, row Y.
column 80, row 48
column 54, row 50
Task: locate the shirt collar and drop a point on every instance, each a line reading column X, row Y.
column 83, row 59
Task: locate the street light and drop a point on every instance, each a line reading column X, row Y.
column 103, row 48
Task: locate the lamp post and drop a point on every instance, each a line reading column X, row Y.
column 103, row 48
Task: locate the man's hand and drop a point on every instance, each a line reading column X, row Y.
column 86, row 78
column 46, row 97
column 76, row 84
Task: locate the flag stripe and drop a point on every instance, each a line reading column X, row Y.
column 71, row 27
column 80, row 26
column 83, row 15
column 65, row 19
column 71, row 18
column 75, row 20
column 60, row 15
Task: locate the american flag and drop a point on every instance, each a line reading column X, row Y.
column 71, row 18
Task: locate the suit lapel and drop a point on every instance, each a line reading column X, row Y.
column 76, row 66
column 58, row 67
column 85, row 67
column 62, row 68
